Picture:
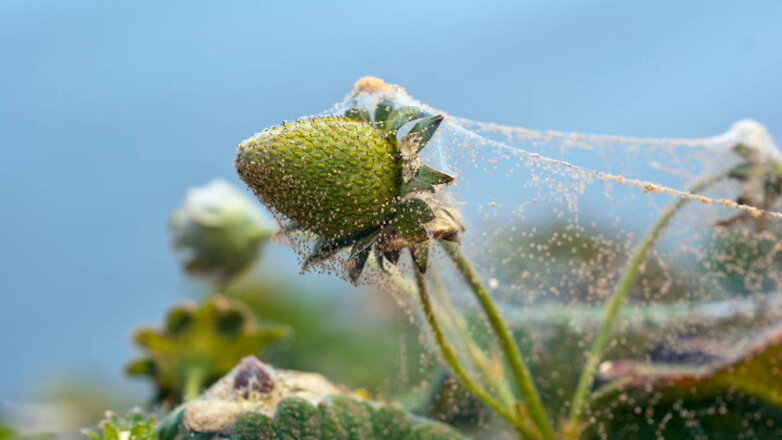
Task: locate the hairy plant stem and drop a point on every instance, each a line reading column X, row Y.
column 507, row 343
column 194, row 380
column 451, row 318
column 572, row 428
column 491, row 368
column 450, row 357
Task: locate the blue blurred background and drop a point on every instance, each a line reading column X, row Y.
column 109, row 111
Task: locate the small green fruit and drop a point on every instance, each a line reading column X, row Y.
column 336, row 177
column 351, row 182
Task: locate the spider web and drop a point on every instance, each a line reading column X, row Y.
column 552, row 219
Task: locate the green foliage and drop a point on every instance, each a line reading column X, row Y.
column 727, row 417
column 253, row 426
column 6, row 433
column 170, row 425
column 754, row 371
column 364, row 359
column 739, row 397
column 198, row 345
column 297, row 419
column 134, row 426
column 355, row 416
column 339, row 417
column 391, row 423
column 256, row 400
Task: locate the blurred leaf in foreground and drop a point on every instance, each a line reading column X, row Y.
column 198, row 345
column 134, row 426
column 257, row 401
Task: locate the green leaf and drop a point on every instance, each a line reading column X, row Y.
column 355, row 416
column 221, row 333
column 152, row 340
column 423, row 131
column 297, row 419
column 170, row 425
column 140, row 367
column 253, row 426
column 425, row 179
column 358, row 114
column 755, row 371
column 110, row 432
column 390, row 423
column 133, row 426
column 179, row 319
column 330, row 423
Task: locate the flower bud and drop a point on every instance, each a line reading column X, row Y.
column 219, row 232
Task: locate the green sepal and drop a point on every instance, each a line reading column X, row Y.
column 401, row 117
column 253, row 426
column 410, row 218
column 292, row 226
column 222, row 332
column 365, row 242
column 425, row 179
column 423, row 131
column 390, row 423
column 322, row 250
column 179, row 319
column 392, row 256
column 141, row 367
column 381, row 262
column 357, row 262
column 297, row 419
column 153, row 340
column 742, row 150
column 170, row 425
column 420, row 256
column 358, row 114
column 743, row 171
column 382, row 112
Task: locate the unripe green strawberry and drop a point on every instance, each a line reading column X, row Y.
column 336, row 177
column 351, row 182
